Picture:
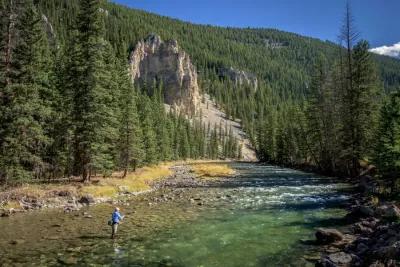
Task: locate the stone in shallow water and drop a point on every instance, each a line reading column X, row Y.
column 327, row 236
column 67, row 260
column 340, row 259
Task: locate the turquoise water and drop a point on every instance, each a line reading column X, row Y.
column 259, row 218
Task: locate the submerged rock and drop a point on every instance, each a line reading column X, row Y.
column 340, row 259
column 327, row 236
column 67, row 260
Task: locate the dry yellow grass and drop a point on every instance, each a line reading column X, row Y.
column 210, row 170
column 133, row 182
column 11, row 205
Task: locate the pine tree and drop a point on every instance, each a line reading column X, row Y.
column 130, row 135
column 93, row 120
column 322, row 129
column 358, row 96
column 387, row 152
column 23, row 138
column 148, row 129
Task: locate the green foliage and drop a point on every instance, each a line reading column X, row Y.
column 24, row 110
column 68, row 106
column 387, row 156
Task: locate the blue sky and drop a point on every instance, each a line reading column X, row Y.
column 377, row 20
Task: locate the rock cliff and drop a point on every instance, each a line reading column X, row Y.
column 239, row 77
column 165, row 62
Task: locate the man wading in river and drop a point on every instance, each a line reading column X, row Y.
column 116, row 217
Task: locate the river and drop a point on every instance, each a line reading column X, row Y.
column 261, row 217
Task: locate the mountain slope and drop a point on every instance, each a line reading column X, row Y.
column 283, row 60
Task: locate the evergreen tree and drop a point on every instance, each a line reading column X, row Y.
column 387, row 152
column 149, row 134
column 93, row 116
column 23, row 112
column 130, row 135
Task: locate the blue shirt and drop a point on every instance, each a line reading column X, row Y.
column 116, row 217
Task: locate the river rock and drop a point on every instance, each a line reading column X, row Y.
column 327, row 236
column 377, row 264
column 389, row 252
column 86, row 200
column 4, row 213
column 361, row 248
column 389, row 211
column 67, row 260
column 359, row 228
column 87, row 215
column 367, row 211
column 360, row 212
column 64, row 193
column 340, row 259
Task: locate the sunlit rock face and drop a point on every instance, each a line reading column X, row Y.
column 240, row 77
column 166, row 63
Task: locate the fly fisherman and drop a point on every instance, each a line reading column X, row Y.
column 116, row 217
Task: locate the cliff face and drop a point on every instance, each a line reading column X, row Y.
column 239, row 77
column 167, row 63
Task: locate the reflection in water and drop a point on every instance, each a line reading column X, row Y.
column 256, row 219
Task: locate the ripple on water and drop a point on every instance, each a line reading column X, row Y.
column 255, row 219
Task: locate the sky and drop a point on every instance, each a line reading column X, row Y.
column 378, row 21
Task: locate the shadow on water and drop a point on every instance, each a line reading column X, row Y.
column 258, row 218
column 317, row 222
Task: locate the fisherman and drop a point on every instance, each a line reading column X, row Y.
column 116, row 217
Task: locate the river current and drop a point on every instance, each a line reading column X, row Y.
column 261, row 217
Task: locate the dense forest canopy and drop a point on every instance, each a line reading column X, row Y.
column 318, row 103
column 68, row 105
column 284, row 60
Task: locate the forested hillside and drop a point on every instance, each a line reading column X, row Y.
column 68, row 105
column 302, row 109
column 284, row 60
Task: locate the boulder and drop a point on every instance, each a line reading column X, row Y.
column 367, row 211
column 360, row 212
column 389, row 211
column 361, row 248
column 340, row 259
column 327, row 236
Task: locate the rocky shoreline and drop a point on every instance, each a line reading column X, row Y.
column 371, row 236
column 182, row 177
column 68, row 201
column 368, row 236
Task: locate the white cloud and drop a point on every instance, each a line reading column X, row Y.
column 391, row 51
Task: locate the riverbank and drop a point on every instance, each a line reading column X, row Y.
column 187, row 221
column 369, row 236
column 73, row 195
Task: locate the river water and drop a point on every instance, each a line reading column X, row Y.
column 261, row 217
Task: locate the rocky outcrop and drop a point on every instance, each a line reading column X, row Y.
column 239, row 77
column 49, row 30
column 166, row 63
